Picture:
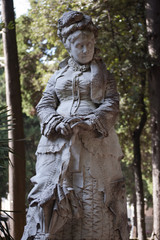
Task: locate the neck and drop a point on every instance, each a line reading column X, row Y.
column 77, row 66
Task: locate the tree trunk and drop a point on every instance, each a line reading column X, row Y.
column 139, row 190
column 135, row 215
column 13, row 95
column 154, row 83
column 153, row 30
column 137, row 170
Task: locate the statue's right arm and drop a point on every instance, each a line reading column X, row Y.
column 46, row 108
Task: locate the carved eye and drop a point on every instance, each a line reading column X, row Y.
column 79, row 46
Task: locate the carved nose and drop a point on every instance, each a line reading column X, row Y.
column 84, row 49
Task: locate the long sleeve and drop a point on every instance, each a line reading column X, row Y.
column 106, row 113
column 46, row 108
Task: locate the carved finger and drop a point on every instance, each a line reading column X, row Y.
column 74, row 119
column 67, row 129
column 57, row 128
column 76, row 124
column 83, row 124
column 67, row 126
column 64, row 132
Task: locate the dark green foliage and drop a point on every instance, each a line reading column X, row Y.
column 31, row 68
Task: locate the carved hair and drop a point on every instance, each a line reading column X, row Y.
column 73, row 21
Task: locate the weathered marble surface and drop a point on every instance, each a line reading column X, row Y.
column 79, row 190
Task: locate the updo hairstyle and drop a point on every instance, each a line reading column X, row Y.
column 72, row 24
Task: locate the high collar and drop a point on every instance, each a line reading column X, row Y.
column 77, row 67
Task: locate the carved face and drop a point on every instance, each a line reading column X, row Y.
column 82, row 48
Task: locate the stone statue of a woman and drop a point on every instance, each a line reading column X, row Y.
column 78, row 191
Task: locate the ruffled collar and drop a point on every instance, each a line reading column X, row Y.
column 77, row 67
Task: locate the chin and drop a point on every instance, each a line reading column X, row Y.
column 85, row 61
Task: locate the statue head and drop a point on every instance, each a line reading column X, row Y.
column 77, row 32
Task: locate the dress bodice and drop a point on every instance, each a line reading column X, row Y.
column 73, row 92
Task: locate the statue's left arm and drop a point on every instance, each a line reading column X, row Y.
column 107, row 112
column 105, row 115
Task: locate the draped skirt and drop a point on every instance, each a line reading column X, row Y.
column 69, row 203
